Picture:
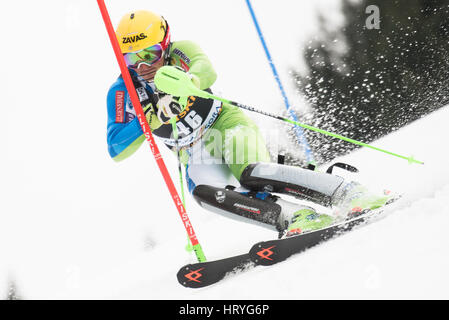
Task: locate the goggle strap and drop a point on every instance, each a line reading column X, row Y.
column 167, row 54
column 166, row 41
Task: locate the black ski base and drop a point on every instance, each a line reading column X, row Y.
column 266, row 253
column 204, row 274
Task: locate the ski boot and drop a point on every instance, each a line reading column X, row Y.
column 295, row 219
column 355, row 200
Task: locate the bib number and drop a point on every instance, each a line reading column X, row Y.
column 182, row 129
column 193, row 119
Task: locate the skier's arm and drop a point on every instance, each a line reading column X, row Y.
column 123, row 138
column 124, row 133
column 191, row 58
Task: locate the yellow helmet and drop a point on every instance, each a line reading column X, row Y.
column 141, row 29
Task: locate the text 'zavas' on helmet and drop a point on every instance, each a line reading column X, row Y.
column 141, row 29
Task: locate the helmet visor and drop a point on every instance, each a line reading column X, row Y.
column 147, row 56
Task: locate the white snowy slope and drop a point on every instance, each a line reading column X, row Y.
column 76, row 225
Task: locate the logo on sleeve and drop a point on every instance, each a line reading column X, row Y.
column 119, row 106
column 182, row 55
column 184, row 59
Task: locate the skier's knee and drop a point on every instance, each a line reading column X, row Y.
column 247, row 178
column 232, row 204
column 298, row 182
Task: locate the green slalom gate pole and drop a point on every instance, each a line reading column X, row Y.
column 176, row 82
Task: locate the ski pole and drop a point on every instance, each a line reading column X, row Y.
column 298, row 130
column 178, row 83
column 189, row 247
column 148, row 135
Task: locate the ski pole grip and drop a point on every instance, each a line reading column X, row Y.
column 177, row 82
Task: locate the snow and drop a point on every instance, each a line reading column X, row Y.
column 76, row 225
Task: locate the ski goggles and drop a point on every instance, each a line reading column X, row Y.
column 146, row 56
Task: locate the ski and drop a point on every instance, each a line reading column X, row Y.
column 204, row 274
column 270, row 252
column 267, row 253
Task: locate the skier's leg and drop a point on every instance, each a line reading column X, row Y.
column 325, row 189
column 215, row 188
column 205, row 169
column 298, row 182
column 261, row 208
column 244, row 151
column 212, row 184
column 236, row 139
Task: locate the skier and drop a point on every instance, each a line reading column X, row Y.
column 228, row 167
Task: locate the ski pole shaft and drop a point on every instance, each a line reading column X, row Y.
column 178, row 155
column 334, row 135
column 147, row 132
column 176, row 82
column 189, row 247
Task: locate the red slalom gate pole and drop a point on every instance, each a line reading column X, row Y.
column 147, row 132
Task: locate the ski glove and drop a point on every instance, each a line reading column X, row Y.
column 169, row 106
